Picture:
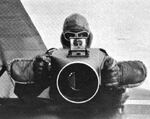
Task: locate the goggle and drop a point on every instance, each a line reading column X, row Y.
column 68, row 35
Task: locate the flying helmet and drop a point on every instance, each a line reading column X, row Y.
column 75, row 25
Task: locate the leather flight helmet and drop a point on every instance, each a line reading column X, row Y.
column 75, row 23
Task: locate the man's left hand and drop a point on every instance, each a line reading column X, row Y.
column 110, row 73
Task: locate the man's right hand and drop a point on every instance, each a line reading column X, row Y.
column 41, row 64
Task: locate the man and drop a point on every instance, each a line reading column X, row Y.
column 33, row 76
column 116, row 76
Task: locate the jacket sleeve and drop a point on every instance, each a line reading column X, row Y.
column 21, row 71
column 127, row 73
column 24, row 70
column 133, row 73
column 29, row 82
column 26, row 83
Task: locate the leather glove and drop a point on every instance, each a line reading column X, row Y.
column 41, row 64
column 110, row 73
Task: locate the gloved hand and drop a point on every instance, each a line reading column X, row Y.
column 41, row 64
column 110, row 73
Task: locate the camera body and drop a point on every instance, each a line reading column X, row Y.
column 77, row 71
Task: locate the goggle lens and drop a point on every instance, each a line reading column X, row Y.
column 83, row 34
column 69, row 35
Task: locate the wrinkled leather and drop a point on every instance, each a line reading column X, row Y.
column 126, row 73
column 22, row 70
column 133, row 73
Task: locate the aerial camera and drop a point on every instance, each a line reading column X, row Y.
column 77, row 71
